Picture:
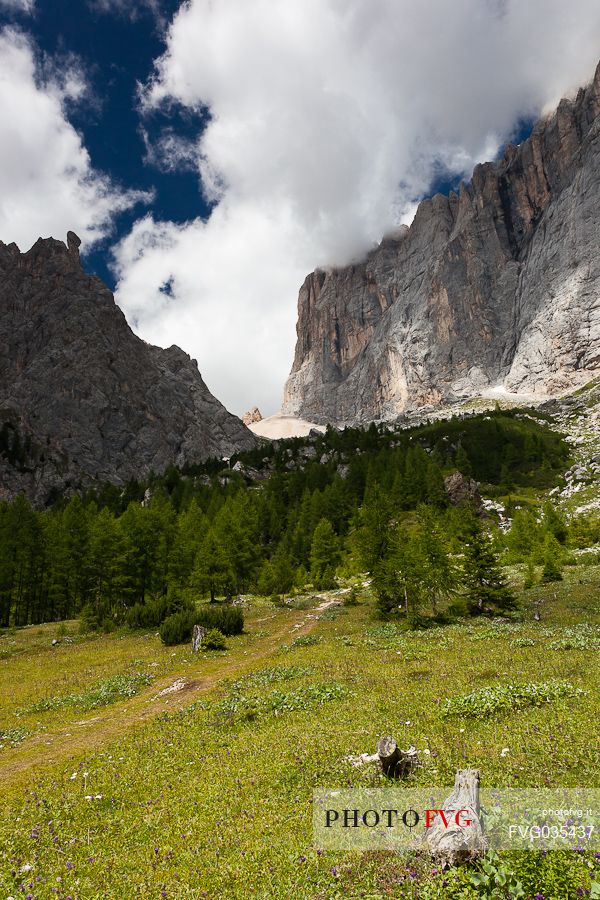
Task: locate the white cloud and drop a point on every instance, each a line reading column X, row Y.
column 170, row 152
column 25, row 6
column 328, row 118
column 129, row 9
column 47, row 183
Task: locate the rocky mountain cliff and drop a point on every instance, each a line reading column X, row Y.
column 498, row 285
column 81, row 397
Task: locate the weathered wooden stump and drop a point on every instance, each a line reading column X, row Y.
column 452, row 841
column 395, row 763
column 198, row 636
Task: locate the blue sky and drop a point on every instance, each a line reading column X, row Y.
column 117, row 51
column 212, row 154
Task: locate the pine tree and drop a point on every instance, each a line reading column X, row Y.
column 439, row 574
column 399, row 578
column 530, row 579
column 108, row 562
column 190, row 530
column 283, row 570
column 554, row 523
column 552, row 560
column 324, row 555
column 525, row 536
column 462, row 461
column 212, row 570
column 487, row 588
column 373, row 536
column 436, row 491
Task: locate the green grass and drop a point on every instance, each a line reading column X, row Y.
column 207, row 792
column 101, row 694
column 509, row 697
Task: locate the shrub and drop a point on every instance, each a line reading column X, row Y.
column 351, row 598
column 551, row 570
column 147, row 615
column 177, row 629
column 90, row 618
column 213, row 640
column 227, row 619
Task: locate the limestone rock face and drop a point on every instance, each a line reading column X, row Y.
column 498, row 285
column 83, row 398
column 253, row 415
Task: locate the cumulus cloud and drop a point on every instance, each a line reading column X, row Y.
column 329, row 118
column 47, row 182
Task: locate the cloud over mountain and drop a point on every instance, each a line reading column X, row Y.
column 328, row 120
column 47, row 182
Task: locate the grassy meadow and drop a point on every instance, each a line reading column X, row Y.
column 111, row 789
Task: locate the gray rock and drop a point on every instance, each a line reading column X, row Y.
column 253, row 415
column 198, row 636
column 308, row 453
column 88, row 399
column 498, row 285
column 247, row 471
column 463, row 491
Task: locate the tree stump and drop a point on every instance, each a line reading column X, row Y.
column 395, row 763
column 448, row 842
column 198, row 636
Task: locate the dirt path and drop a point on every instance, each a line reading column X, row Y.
column 90, row 734
column 310, row 618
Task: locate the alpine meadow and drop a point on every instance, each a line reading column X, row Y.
column 299, row 450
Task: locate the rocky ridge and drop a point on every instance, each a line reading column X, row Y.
column 81, row 397
column 253, row 415
column 498, row 285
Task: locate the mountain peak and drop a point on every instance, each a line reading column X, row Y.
column 90, row 399
column 495, row 287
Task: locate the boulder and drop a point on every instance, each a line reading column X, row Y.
column 198, row 636
column 464, row 491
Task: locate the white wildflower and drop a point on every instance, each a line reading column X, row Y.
column 505, row 750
